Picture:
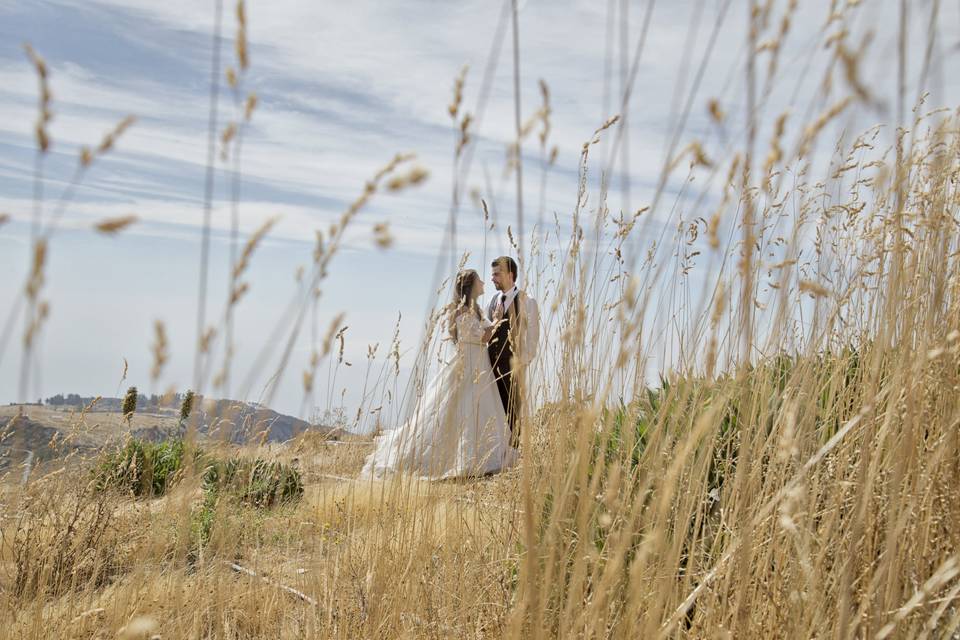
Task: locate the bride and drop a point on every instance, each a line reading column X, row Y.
column 458, row 427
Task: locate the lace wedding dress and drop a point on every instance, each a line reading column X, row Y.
column 458, row 427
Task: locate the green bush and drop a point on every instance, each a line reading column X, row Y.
column 142, row 468
column 670, row 410
column 254, row 482
column 201, row 523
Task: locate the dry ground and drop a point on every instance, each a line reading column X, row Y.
column 356, row 547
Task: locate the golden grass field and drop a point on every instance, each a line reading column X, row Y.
column 796, row 474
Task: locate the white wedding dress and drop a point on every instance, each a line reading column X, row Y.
column 458, row 427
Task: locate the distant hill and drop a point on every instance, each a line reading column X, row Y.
column 37, row 433
column 236, row 422
column 20, row 436
column 242, row 422
column 228, row 420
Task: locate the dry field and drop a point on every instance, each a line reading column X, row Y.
column 795, row 473
column 321, row 547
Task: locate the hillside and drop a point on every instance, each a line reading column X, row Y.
column 23, row 439
column 45, row 433
column 241, row 422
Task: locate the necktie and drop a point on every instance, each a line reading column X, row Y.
column 498, row 312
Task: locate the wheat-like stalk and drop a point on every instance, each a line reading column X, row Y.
column 114, row 225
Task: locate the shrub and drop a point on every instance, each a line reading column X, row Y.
column 256, row 482
column 142, row 468
column 201, row 523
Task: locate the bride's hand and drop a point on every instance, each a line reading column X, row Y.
column 487, row 334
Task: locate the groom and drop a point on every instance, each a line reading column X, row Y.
column 513, row 345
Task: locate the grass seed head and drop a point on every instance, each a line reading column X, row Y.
column 716, row 112
column 241, row 42
column 109, row 139
column 332, row 334
column 46, row 97
column 249, row 106
column 160, row 349
column 226, row 136
column 38, row 62
column 35, row 282
column 111, row 226
column 43, row 138
column 382, row 236
column 252, row 243
column 239, row 290
column 814, row 129
column 207, row 339
column 815, row 289
column 454, row 107
column 465, row 136
column 414, row 176
column 186, row 406
column 545, row 112
column 129, row 403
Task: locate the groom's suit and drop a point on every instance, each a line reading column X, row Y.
column 512, row 347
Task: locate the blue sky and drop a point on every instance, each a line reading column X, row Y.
column 343, row 87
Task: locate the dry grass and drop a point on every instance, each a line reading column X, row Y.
column 795, row 474
column 342, row 524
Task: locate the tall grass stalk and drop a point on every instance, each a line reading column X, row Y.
column 742, row 422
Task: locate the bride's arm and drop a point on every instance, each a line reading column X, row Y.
column 487, row 333
column 487, row 328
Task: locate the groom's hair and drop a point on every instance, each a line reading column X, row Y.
column 506, row 262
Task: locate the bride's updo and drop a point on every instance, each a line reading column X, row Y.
column 463, row 301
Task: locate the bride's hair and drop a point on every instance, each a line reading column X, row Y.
column 463, row 301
